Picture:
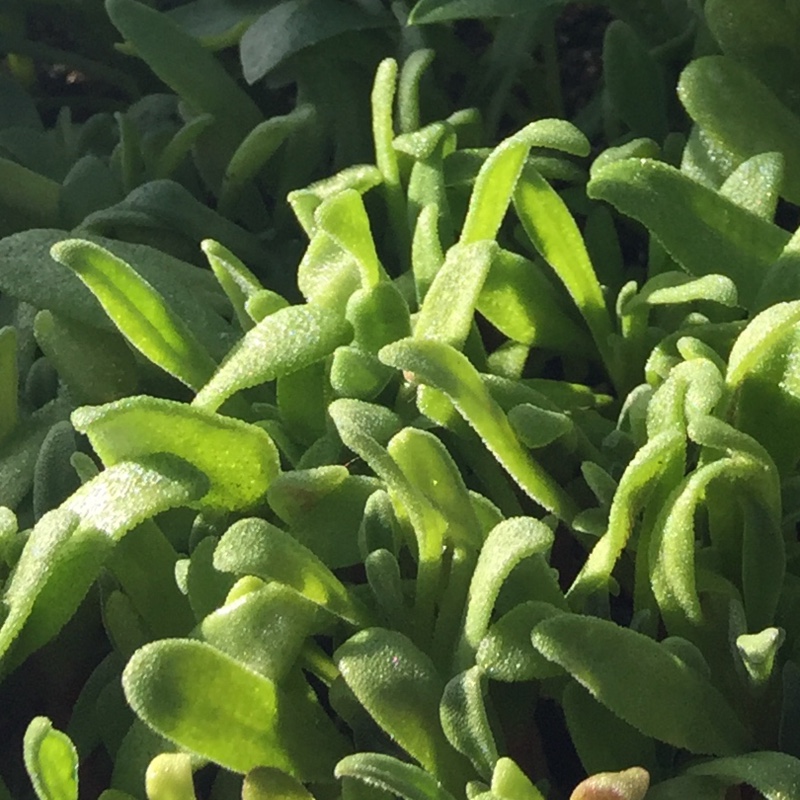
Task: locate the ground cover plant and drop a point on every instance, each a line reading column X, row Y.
column 356, row 443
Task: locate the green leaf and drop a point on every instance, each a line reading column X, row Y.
column 51, row 761
column 344, row 218
column 763, row 375
column 603, row 741
column 429, row 467
column 507, row 545
column 765, row 39
column 361, row 426
column 758, row 651
column 699, row 228
column 255, row 150
column 69, row 545
column 138, row 310
column 464, row 721
column 31, row 196
column 506, row 653
column 264, row 630
column 521, row 302
column 509, row 782
column 495, row 183
column 379, row 316
column 255, row 547
column 292, row 26
column 143, row 563
column 436, row 364
column 741, row 114
column 428, row 11
column 169, row 777
column 755, row 184
column 269, row 783
column 96, row 365
column 237, row 281
column 392, row 775
column 537, row 427
column 449, row 306
column 304, row 202
column 554, row 233
column 54, row 480
column 400, row 688
column 323, row 508
column 167, row 214
column 284, row 342
column 21, row 450
column 697, row 787
column 211, row 705
column 185, row 288
column 9, row 382
column 240, row 460
column 674, row 287
column 634, row 82
column 192, row 73
column 775, row 775
column 643, row 683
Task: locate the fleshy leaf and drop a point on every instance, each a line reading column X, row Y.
column 506, row 653
column 428, row 11
column 464, row 721
column 643, row 683
column 509, row 782
column 51, row 761
column 255, row 547
column 703, row 231
column 286, row 341
column 436, row 364
column 269, row 783
column 762, row 372
column 498, row 176
column 263, row 629
column 774, row 775
column 169, row 777
column 239, row 459
column 291, row 26
column 507, row 544
column 68, row 546
column 449, row 305
column 554, row 233
column 392, row 775
column 739, row 112
column 177, row 686
column 381, row 667
column 138, row 310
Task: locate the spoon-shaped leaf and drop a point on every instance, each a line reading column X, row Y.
column 286, row 341
column 213, row 706
column 400, row 688
column 774, row 775
column 240, row 460
column 436, row 364
column 68, row 546
column 138, row 310
column 703, row 231
column 643, row 683
column 51, row 761
column 392, row 775
column 254, row 547
column 734, row 108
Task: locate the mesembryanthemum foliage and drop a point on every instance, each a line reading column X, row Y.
column 364, row 544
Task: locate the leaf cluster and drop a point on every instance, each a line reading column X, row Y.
column 344, row 457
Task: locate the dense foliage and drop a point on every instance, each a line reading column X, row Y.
column 391, row 407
